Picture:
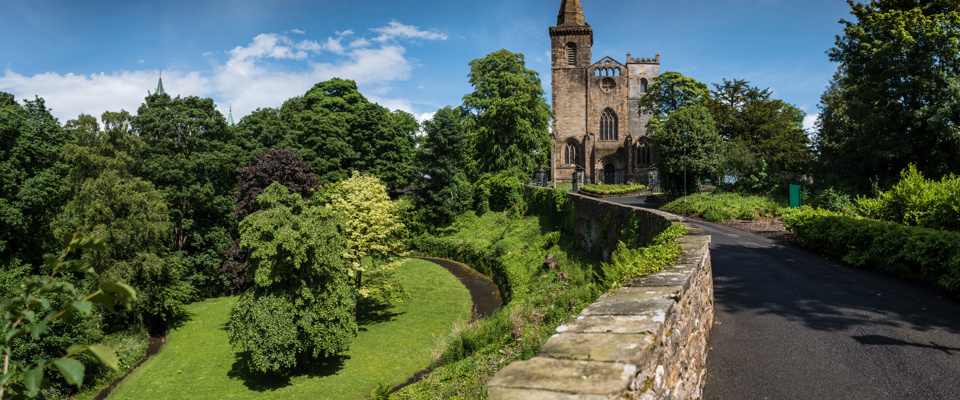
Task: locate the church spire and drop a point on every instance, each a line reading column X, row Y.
column 160, row 84
column 230, row 117
column 571, row 14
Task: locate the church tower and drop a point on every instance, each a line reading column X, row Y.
column 570, row 42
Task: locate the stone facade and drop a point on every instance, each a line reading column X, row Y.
column 647, row 340
column 597, row 123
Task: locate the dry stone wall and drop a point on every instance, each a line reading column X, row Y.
column 647, row 340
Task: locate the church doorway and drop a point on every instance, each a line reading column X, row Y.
column 609, row 174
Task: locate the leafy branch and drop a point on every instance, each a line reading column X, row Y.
column 20, row 318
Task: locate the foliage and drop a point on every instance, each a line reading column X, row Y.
column 670, row 92
column 929, row 255
column 393, row 343
column 445, row 190
column 32, row 192
column 611, row 189
column 895, row 99
column 511, row 251
column 508, row 118
column 190, row 156
column 131, row 215
column 917, row 201
column 759, row 132
column 278, row 165
column 337, row 130
column 689, row 145
column 723, row 207
column 301, row 305
column 828, row 198
column 371, row 225
column 26, row 313
column 628, row 263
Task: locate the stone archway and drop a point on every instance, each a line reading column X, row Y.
column 608, row 171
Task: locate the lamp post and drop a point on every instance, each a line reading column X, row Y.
column 684, row 166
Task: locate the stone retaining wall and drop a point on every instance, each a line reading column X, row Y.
column 644, row 341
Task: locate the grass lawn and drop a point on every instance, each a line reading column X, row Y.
column 394, row 342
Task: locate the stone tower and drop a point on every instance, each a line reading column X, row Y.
column 597, row 124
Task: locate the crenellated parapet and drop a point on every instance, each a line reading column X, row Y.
column 655, row 60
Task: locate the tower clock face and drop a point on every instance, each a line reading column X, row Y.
column 607, row 85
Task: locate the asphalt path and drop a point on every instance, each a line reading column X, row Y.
column 792, row 324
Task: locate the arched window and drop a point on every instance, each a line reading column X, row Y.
column 570, row 154
column 643, row 85
column 571, row 54
column 643, row 154
column 608, row 125
column 617, row 72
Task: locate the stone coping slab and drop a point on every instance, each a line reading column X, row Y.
column 597, row 355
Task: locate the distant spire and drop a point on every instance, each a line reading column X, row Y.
column 571, row 14
column 230, row 117
column 160, row 83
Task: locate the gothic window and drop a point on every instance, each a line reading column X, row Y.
column 571, row 54
column 643, row 85
column 643, row 154
column 570, row 153
column 608, row 125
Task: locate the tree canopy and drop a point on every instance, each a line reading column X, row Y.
column 895, row 99
column 760, row 132
column 687, row 140
column 301, row 304
column 507, row 116
column 671, row 91
column 445, row 190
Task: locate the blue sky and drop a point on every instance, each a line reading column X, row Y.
column 94, row 56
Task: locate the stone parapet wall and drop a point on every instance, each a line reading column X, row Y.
column 598, row 223
column 647, row 340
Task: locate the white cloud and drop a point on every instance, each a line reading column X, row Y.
column 68, row 95
column 397, row 30
column 264, row 73
column 299, row 31
column 425, row 117
column 809, row 123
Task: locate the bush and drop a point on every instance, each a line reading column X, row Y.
column 627, row 263
column 723, row 207
column 917, row 201
column 929, row 255
column 611, row 189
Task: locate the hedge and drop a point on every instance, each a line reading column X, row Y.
column 611, row 189
column 929, row 255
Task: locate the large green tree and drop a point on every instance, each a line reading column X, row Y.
column 764, row 136
column 689, row 146
column 671, row 91
column 896, row 97
column 301, row 304
column 445, row 190
column 508, row 117
column 337, row 130
column 370, row 223
column 32, row 189
column 190, row 155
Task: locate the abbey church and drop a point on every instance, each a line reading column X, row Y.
column 597, row 123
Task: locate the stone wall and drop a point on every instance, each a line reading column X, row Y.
column 645, row 341
column 598, row 223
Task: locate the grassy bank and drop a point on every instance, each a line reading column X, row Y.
column 724, row 206
column 394, row 342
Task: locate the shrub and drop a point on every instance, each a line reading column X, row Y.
column 723, row 206
column 917, row 201
column 611, row 189
column 926, row 254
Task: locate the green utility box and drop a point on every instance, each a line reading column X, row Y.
column 794, row 196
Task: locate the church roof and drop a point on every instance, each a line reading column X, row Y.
column 571, row 14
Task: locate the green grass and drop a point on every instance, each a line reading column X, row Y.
column 393, row 344
column 724, row 207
